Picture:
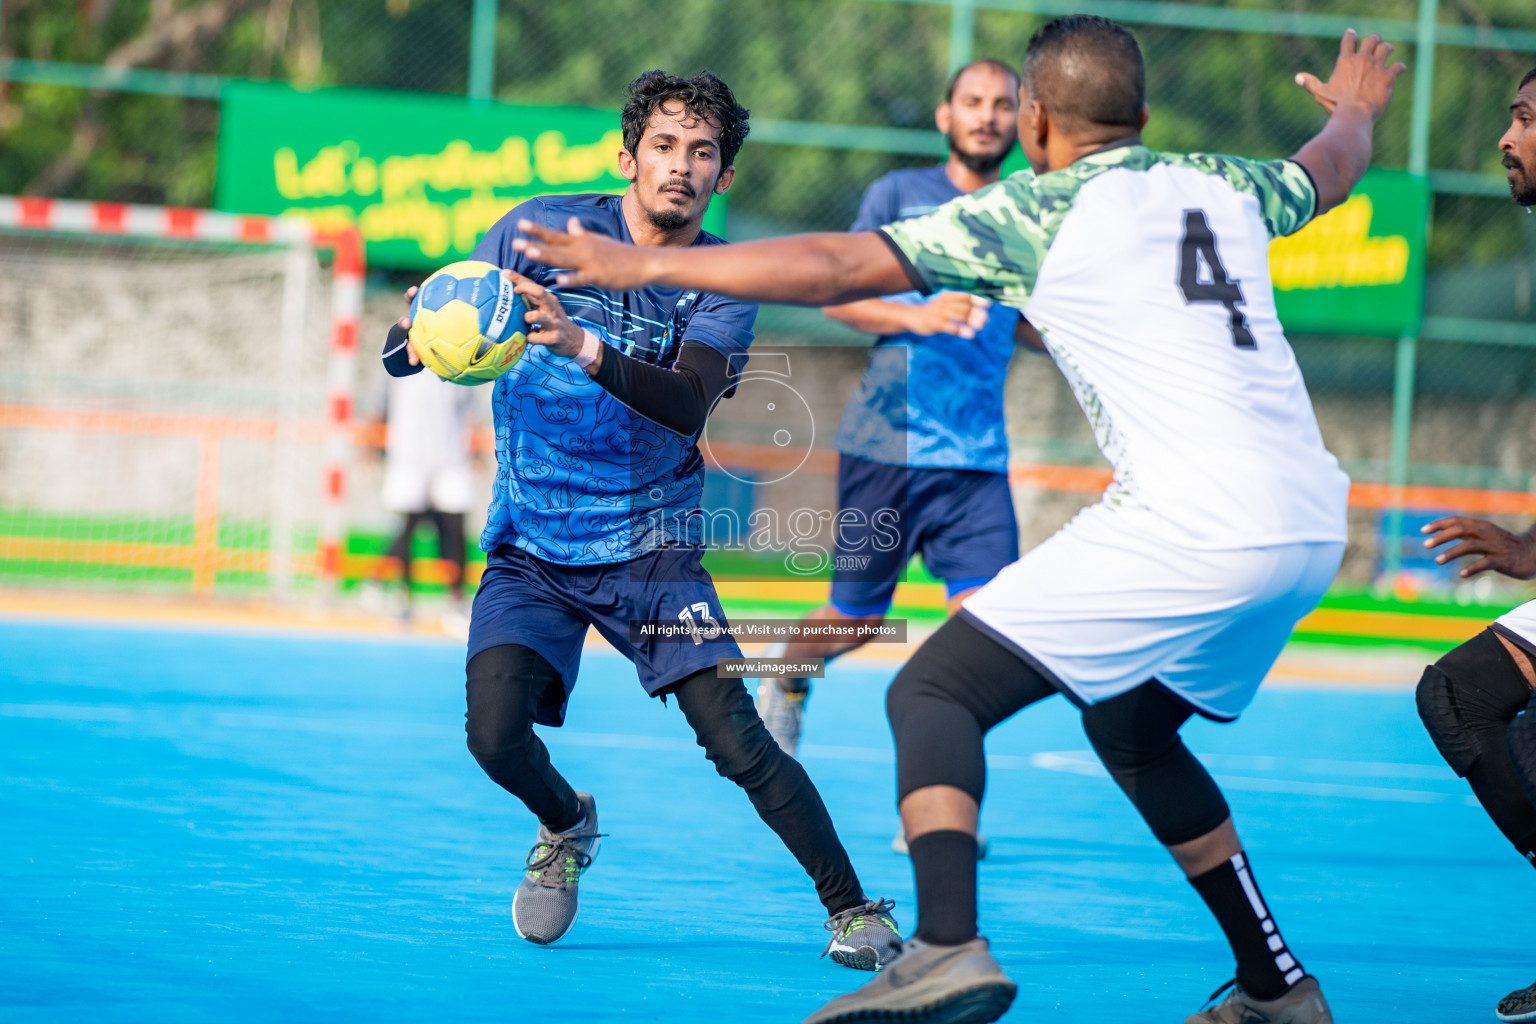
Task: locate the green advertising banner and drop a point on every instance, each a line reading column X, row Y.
column 1359, row 268
column 421, row 177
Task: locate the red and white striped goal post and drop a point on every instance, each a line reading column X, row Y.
column 132, row 220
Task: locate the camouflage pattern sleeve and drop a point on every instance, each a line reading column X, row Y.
column 991, row 242
column 1287, row 198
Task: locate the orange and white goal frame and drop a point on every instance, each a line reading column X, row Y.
column 134, row 221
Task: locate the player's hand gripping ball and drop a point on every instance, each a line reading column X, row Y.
column 467, row 323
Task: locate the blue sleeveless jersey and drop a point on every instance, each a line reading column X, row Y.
column 580, row 478
column 936, row 401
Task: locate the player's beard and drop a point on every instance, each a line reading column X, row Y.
column 984, row 164
column 669, row 217
column 1521, row 188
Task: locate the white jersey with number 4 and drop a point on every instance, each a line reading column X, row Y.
column 1147, row 274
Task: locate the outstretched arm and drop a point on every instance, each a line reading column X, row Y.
column 799, row 270
column 1355, row 96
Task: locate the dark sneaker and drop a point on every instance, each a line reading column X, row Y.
column 782, row 710
column 1520, row 1005
column 1302, row 1003
column 864, row 938
column 544, row 907
column 928, row 985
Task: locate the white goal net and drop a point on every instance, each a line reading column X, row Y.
column 171, row 413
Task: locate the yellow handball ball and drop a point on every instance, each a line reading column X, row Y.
column 467, row 323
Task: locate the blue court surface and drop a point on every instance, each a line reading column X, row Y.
column 233, row 827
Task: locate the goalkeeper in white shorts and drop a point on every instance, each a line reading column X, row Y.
column 428, row 475
column 1147, row 275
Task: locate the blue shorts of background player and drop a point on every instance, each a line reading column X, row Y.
column 960, row 521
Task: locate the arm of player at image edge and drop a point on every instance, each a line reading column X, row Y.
column 1355, row 96
column 1512, row 554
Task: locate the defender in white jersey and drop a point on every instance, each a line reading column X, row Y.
column 1147, row 276
column 1477, row 702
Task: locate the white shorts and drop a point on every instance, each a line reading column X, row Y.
column 1521, row 621
column 410, row 488
column 1106, row 604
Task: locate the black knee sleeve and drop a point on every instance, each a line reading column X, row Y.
column 1136, row 735
column 1472, row 690
column 958, row 685
column 938, row 739
column 1469, row 701
column 503, row 687
column 507, row 689
column 1521, row 740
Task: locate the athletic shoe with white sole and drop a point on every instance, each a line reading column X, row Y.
column 544, row 907
column 864, row 937
column 899, row 845
column 1518, row 1005
column 928, row 985
column 1302, row 1003
column 782, row 710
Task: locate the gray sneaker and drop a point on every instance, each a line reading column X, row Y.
column 864, row 938
column 1518, row 1005
column 544, row 907
column 928, row 985
column 1302, row 1003
column 782, row 710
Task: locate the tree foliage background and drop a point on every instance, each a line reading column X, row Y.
column 838, row 62
column 862, row 62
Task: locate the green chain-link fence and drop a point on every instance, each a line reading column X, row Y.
column 119, row 100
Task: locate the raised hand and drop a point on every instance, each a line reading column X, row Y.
column 1513, row 554
column 584, row 258
column 1361, row 76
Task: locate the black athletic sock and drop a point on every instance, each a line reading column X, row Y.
column 1265, row 968
column 944, row 866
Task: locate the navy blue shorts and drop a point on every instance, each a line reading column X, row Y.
column 548, row 607
column 960, row 520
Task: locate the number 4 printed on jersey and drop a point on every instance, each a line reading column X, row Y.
column 710, row 629
column 1199, row 245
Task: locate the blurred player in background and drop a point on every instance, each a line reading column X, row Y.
column 1147, row 275
column 923, row 446
column 593, row 522
column 429, row 427
column 1472, row 699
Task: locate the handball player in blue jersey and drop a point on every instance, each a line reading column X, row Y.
column 593, row 518
column 923, row 446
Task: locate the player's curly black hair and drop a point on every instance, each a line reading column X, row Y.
column 1088, row 72
column 1530, row 76
column 703, row 95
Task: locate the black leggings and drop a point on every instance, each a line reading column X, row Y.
column 450, row 541
column 962, row 682
column 506, row 683
column 1471, row 702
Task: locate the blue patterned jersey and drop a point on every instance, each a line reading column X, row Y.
column 580, row 478
column 933, row 401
